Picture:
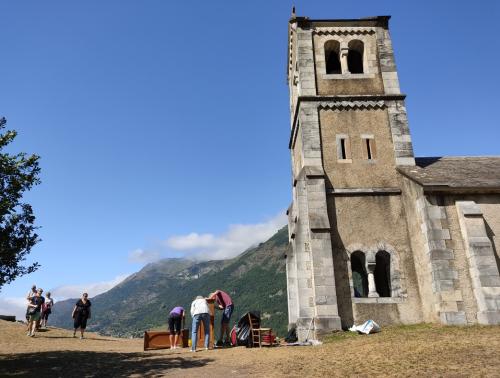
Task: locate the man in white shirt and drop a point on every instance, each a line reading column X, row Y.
column 200, row 313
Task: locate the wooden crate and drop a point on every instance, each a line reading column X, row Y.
column 161, row 339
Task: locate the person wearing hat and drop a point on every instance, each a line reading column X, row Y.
column 200, row 313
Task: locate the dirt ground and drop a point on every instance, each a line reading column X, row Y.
column 421, row 350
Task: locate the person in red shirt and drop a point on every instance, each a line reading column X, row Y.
column 225, row 303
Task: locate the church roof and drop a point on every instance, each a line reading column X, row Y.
column 455, row 173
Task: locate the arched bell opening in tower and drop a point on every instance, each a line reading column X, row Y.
column 355, row 57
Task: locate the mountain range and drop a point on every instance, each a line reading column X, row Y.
column 255, row 280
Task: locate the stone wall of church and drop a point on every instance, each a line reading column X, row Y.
column 490, row 205
column 465, row 297
column 357, row 171
column 297, row 160
column 411, row 192
column 474, row 223
column 370, row 224
column 467, row 301
column 455, row 253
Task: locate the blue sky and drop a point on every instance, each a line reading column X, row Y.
column 161, row 123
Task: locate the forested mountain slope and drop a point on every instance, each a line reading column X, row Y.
column 255, row 280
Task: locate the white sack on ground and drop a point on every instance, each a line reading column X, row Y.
column 367, row 327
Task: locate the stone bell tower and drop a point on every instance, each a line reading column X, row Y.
column 348, row 134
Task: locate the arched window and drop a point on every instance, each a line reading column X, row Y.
column 383, row 273
column 332, row 57
column 355, row 57
column 359, row 276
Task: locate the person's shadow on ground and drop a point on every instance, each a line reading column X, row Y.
column 94, row 364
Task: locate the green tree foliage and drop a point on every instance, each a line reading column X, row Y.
column 18, row 174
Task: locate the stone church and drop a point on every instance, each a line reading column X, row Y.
column 375, row 232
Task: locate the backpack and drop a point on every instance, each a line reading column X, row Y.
column 291, row 336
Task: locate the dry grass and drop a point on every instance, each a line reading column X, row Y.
column 423, row 350
column 420, row 350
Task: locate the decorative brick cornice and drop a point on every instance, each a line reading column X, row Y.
column 352, row 105
column 344, row 31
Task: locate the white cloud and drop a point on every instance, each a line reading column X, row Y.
column 143, row 256
column 234, row 241
column 14, row 306
column 93, row 289
column 190, row 241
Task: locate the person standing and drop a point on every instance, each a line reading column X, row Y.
column 47, row 309
column 40, row 291
column 81, row 313
column 175, row 322
column 200, row 313
column 225, row 303
column 34, row 309
column 30, row 295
